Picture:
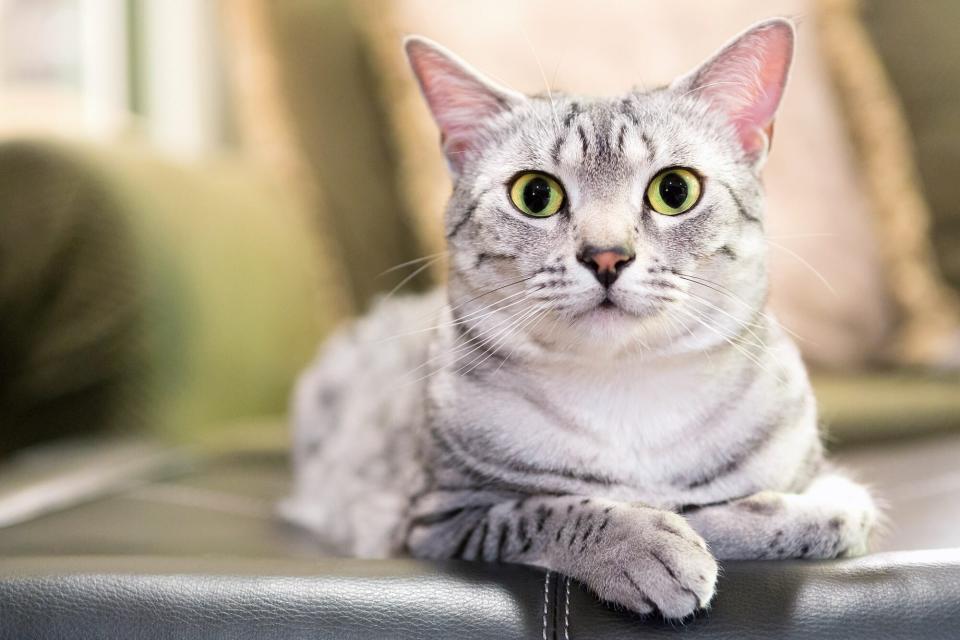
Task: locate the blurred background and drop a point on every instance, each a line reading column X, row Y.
column 194, row 192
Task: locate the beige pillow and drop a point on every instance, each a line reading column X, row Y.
column 928, row 312
column 828, row 285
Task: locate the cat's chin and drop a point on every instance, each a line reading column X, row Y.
column 608, row 312
column 606, row 326
column 605, row 321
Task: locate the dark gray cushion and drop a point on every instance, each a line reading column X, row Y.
column 899, row 595
column 221, row 566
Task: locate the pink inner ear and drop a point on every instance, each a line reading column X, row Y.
column 458, row 99
column 747, row 79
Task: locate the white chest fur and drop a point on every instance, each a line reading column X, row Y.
column 648, row 426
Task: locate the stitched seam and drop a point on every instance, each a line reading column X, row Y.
column 566, row 611
column 546, row 591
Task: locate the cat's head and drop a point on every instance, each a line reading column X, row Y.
column 610, row 222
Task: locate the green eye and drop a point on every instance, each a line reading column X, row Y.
column 536, row 194
column 674, row 191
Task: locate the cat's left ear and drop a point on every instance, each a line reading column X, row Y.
column 745, row 81
column 459, row 97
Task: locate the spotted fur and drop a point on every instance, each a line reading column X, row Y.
column 513, row 416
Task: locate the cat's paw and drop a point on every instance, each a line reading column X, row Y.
column 816, row 531
column 667, row 570
column 842, row 533
column 833, row 518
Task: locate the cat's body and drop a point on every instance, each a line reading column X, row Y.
column 590, row 374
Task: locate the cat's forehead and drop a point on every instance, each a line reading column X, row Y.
column 606, row 140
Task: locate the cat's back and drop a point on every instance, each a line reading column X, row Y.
column 356, row 410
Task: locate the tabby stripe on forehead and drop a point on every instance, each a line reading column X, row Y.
column 626, row 108
column 555, row 151
column 603, row 140
column 574, row 111
column 562, row 138
column 620, row 137
column 740, row 208
column 648, row 143
column 584, row 145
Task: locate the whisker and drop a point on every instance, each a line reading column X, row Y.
column 543, row 313
column 746, row 325
column 689, row 330
column 413, row 275
column 529, row 294
column 461, row 348
column 477, row 297
column 703, row 320
column 494, row 290
column 740, row 321
column 410, row 262
column 710, row 284
column 788, row 236
column 744, row 352
column 486, row 311
column 715, row 286
column 742, row 339
column 497, row 341
column 536, row 58
column 804, row 262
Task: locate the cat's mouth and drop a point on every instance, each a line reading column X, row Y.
column 604, row 310
column 610, row 309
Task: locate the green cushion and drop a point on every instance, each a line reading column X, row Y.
column 136, row 294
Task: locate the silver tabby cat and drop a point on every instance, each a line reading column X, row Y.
column 598, row 389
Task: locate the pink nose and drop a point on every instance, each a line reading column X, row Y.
column 606, row 264
column 608, row 260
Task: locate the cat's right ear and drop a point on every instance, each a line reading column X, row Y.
column 459, row 97
column 745, row 81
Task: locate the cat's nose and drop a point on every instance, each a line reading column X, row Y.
column 606, row 263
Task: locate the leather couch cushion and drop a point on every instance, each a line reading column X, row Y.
column 199, row 555
column 904, row 595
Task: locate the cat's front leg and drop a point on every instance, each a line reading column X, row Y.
column 833, row 517
column 645, row 559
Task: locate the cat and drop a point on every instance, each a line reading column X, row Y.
column 598, row 390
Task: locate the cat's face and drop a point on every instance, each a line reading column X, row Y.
column 610, row 224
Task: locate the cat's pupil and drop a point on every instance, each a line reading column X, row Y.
column 536, row 195
column 673, row 190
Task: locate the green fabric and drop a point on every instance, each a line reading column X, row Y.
column 135, row 294
column 919, row 47
column 341, row 127
column 70, row 308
